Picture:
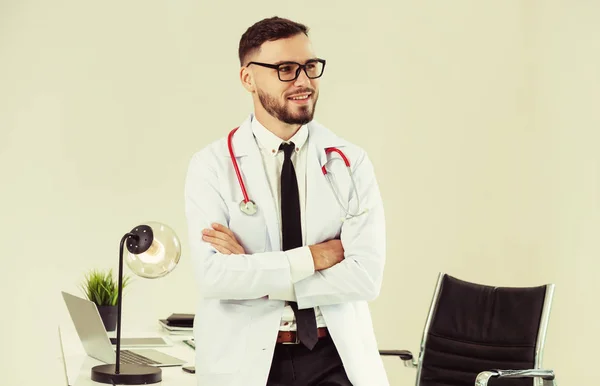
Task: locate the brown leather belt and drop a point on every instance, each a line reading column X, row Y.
column 290, row 337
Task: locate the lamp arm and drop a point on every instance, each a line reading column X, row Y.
column 119, row 302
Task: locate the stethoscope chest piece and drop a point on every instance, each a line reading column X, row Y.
column 248, row 208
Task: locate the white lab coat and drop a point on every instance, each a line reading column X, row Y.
column 236, row 323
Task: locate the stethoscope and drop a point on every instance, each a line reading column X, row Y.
column 250, row 208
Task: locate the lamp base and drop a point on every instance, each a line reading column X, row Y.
column 129, row 374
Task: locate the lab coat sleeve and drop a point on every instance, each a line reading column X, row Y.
column 359, row 276
column 220, row 276
column 301, row 266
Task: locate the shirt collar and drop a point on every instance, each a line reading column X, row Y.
column 270, row 142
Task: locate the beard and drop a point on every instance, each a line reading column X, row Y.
column 285, row 113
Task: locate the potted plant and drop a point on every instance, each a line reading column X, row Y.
column 102, row 288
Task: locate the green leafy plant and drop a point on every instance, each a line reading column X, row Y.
column 102, row 288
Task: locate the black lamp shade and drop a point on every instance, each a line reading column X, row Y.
column 154, row 250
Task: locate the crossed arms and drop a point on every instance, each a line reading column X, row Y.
column 345, row 270
column 324, row 255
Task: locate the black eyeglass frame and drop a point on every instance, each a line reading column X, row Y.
column 300, row 67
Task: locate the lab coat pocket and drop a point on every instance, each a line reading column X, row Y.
column 224, row 333
column 249, row 230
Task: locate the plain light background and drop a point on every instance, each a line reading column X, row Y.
column 480, row 119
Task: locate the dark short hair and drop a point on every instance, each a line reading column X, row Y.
column 273, row 28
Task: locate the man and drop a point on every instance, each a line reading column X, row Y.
column 285, row 262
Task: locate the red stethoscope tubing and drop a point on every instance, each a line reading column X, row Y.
column 341, row 153
column 237, row 169
column 235, row 165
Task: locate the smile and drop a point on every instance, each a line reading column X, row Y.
column 300, row 97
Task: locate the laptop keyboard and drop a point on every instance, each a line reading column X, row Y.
column 137, row 359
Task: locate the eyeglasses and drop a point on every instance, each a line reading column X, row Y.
column 289, row 71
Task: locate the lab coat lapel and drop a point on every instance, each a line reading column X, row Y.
column 253, row 173
column 320, row 201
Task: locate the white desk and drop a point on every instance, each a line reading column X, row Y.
column 79, row 365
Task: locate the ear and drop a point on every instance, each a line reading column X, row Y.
column 247, row 79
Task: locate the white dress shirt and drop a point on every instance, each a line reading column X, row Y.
column 301, row 261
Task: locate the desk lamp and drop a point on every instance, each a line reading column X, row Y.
column 154, row 251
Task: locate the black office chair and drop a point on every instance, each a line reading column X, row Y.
column 474, row 331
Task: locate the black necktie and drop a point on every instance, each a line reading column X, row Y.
column 292, row 238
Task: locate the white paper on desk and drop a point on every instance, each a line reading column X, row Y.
column 176, row 330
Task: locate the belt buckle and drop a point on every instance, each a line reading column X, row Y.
column 297, row 341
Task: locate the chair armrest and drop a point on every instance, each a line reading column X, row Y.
column 405, row 355
column 546, row 375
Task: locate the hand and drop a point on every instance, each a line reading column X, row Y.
column 327, row 254
column 222, row 239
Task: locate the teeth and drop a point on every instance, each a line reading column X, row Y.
column 300, row 97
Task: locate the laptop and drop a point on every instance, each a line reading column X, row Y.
column 97, row 344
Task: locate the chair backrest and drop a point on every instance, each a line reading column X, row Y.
column 472, row 328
